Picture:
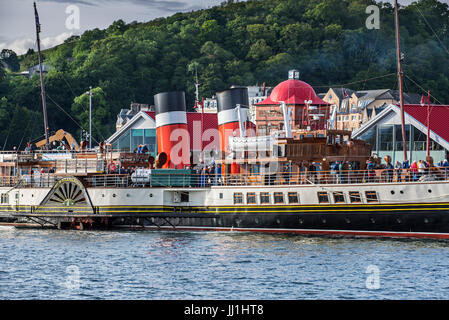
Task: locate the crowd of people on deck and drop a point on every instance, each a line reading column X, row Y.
column 343, row 171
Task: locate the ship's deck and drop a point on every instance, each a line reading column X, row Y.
column 208, row 180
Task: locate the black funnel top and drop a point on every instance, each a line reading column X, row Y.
column 228, row 99
column 170, row 101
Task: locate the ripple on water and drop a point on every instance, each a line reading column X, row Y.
column 52, row 264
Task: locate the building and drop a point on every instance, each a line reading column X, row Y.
column 35, row 69
column 384, row 132
column 141, row 129
column 127, row 114
column 256, row 94
column 308, row 110
column 355, row 108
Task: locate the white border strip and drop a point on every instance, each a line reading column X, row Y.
column 172, row 117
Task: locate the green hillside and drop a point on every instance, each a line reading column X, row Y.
column 237, row 43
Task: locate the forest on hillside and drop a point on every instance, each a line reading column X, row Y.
column 236, row 43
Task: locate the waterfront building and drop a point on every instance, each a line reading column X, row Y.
column 307, row 109
column 384, row 133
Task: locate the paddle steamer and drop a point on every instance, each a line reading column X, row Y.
column 283, row 182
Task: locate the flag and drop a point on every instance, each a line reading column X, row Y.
column 345, row 94
column 425, row 99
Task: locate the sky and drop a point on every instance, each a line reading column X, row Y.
column 58, row 17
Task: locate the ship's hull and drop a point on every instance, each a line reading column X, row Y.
column 422, row 212
column 428, row 220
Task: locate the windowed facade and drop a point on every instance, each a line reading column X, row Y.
column 386, row 139
column 131, row 139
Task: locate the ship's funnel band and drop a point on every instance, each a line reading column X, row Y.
column 230, row 115
column 169, row 118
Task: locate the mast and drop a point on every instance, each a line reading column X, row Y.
column 401, row 94
column 44, row 102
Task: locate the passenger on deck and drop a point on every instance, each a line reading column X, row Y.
column 398, row 170
column 371, row 172
column 389, row 169
column 414, row 171
column 203, row 177
column 218, row 177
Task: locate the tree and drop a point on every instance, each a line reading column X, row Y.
column 9, row 57
column 102, row 123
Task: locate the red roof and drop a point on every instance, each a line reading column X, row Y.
column 292, row 92
column 439, row 117
column 194, row 124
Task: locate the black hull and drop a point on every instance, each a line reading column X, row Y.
column 412, row 220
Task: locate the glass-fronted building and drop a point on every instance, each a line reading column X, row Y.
column 140, row 130
column 384, row 133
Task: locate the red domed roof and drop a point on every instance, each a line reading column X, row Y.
column 292, row 92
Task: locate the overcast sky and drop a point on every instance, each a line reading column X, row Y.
column 17, row 30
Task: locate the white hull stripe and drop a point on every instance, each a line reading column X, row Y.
column 172, row 117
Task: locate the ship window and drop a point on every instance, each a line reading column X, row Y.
column 5, row 198
column 251, row 198
column 354, row 197
column 238, row 198
column 323, row 197
column 278, row 197
column 184, row 197
column 339, row 197
column 293, row 197
column 371, row 196
column 264, row 197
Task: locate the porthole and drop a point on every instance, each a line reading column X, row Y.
column 128, row 195
column 392, row 191
column 151, row 195
column 401, row 192
column 372, row 220
column 278, row 221
column 429, row 191
column 398, row 220
column 347, row 220
column 102, row 195
column 114, row 195
column 301, row 221
column 323, row 220
column 426, row 220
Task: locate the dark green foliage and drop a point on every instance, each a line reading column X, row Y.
column 236, row 43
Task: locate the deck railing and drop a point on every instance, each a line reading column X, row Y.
column 282, row 178
column 200, row 180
